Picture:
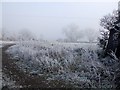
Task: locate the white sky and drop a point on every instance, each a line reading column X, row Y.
column 49, row 18
column 59, row 0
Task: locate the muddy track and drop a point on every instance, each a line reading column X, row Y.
column 24, row 79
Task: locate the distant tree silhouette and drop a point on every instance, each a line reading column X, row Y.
column 26, row 35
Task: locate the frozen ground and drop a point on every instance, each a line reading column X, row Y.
column 5, row 80
column 0, row 44
column 0, row 68
column 3, row 43
column 74, row 63
column 0, row 79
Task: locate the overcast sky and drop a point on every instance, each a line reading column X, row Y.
column 49, row 18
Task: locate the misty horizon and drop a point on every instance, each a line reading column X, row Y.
column 48, row 19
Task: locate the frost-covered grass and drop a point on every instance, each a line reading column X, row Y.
column 3, row 43
column 74, row 63
column 7, row 82
column 0, row 78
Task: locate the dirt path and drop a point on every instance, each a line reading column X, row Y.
column 10, row 69
column 24, row 79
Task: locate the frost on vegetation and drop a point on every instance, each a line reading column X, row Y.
column 79, row 66
column 0, row 78
column 7, row 82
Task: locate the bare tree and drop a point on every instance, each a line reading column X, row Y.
column 108, row 22
column 5, row 35
column 26, row 35
column 72, row 33
column 91, row 35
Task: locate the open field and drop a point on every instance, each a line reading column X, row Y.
column 41, row 64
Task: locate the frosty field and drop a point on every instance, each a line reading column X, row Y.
column 71, row 44
column 0, row 68
column 73, row 64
